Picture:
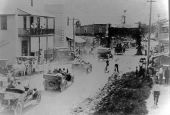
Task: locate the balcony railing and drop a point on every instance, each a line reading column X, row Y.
column 34, row 32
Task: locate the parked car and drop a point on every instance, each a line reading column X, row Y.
column 16, row 99
column 82, row 65
column 119, row 49
column 57, row 80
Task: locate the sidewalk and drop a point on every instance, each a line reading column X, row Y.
column 163, row 104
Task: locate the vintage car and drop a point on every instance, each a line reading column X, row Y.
column 16, row 99
column 119, row 49
column 104, row 53
column 82, row 65
column 57, row 80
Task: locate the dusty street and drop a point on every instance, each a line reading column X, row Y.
column 85, row 85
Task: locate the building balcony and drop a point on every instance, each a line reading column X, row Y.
column 35, row 32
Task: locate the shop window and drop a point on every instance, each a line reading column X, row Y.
column 3, row 22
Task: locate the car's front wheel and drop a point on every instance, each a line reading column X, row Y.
column 61, row 88
column 18, row 109
column 38, row 98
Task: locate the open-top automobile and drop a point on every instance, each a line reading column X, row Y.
column 16, row 99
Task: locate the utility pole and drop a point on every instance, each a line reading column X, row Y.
column 169, row 27
column 124, row 18
column 73, row 36
column 148, row 52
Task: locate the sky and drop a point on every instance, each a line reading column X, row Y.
column 110, row 11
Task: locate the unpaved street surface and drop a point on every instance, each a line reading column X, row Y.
column 84, row 86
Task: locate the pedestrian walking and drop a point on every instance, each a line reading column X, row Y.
column 116, row 69
column 167, row 75
column 107, row 65
column 156, row 92
column 161, row 75
column 137, row 71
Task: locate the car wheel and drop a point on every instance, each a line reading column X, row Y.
column 61, row 88
column 72, row 79
column 45, row 85
column 38, row 98
column 87, row 70
column 18, row 109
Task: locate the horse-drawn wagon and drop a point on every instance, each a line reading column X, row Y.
column 25, row 65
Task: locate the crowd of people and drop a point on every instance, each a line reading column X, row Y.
column 36, row 29
column 59, row 70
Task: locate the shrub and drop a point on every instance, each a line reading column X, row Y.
column 125, row 96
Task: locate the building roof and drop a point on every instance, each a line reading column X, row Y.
column 34, row 12
column 125, row 26
column 77, row 39
column 8, row 7
column 7, row 11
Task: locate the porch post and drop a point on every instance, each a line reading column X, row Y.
column 46, row 40
column 169, row 26
column 54, row 39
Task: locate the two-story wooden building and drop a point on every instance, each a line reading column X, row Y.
column 25, row 30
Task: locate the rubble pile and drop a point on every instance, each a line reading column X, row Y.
column 126, row 95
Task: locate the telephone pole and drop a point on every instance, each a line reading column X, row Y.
column 169, row 27
column 148, row 51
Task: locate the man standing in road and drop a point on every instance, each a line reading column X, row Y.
column 161, row 75
column 107, row 65
column 167, row 75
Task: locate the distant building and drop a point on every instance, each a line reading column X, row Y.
column 163, row 29
column 163, row 33
column 93, row 30
column 25, row 29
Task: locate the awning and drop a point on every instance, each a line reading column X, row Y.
column 33, row 12
column 77, row 39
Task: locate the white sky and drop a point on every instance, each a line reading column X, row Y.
column 110, row 11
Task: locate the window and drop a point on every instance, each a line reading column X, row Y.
column 3, row 22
